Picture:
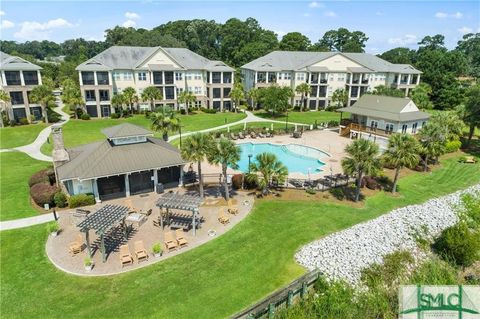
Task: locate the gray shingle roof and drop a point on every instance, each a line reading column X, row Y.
column 299, row 60
column 130, row 58
column 125, row 130
column 385, row 107
column 102, row 159
column 14, row 63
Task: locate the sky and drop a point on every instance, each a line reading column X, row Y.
column 388, row 24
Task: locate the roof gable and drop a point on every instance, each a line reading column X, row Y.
column 125, row 130
column 158, row 57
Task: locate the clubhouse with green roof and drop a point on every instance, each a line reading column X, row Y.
column 128, row 162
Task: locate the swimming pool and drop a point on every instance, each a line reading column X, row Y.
column 297, row 158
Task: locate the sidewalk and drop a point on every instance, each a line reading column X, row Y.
column 26, row 222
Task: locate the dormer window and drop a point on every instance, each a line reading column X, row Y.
column 128, row 140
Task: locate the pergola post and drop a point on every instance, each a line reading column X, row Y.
column 87, row 239
column 161, row 216
column 125, row 233
column 193, row 223
column 102, row 248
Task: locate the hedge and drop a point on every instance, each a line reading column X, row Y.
column 44, row 176
column 43, row 193
column 81, row 200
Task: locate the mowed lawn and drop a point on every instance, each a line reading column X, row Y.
column 15, row 170
column 212, row 281
column 77, row 132
column 307, row 117
column 15, row 136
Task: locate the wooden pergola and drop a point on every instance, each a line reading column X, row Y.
column 102, row 221
column 182, row 202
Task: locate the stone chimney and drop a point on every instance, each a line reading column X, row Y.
column 60, row 155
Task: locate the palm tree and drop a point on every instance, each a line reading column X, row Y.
column 71, row 96
column 304, row 89
column 42, row 95
column 265, row 169
column 130, row 95
column 450, row 122
column 403, row 151
column 363, row 158
column 118, row 100
column 226, row 153
column 471, row 112
column 195, row 148
column 4, row 97
column 340, row 97
column 186, row 97
column 433, row 139
column 237, row 94
column 253, row 95
column 164, row 122
column 151, row 94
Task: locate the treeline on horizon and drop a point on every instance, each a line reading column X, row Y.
column 237, row 42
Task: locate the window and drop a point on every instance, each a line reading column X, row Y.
column 356, row 78
column 312, row 104
column 413, row 79
column 169, row 92
column 389, row 128
column 197, row 76
column 404, row 128
column 127, row 76
column 216, row 93
column 178, row 76
column 16, row 98
column 104, row 95
column 287, row 76
column 322, row 91
column 179, row 90
column 373, row 125
column 102, row 78
column 414, row 128
column 261, row 77
column 227, row 105
column 365, row 78
column 168, row 77
column 198, row 90
column 30, row 77
column 272, row 77
column 226, row 92
column 198, row 104
column 157, row 78
column 300, row 76
column 298, row 102
column 12, row 77
column 354, row 92
column 88, row 78
column 323, row 78
column 216, row 77
column 227, row 77
column 314, row 91
column 314, row 78
column 90, row 95
column 216, row 105
column 142, row 76
column 117, row 76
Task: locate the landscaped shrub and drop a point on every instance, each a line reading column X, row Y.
column 85, row 116
column 237, row 181
column 23, row 121
column 338, row 193
column 370, row 182
column 79, row 112
column 81, row 200
column 310, row 191
column 43, row 193
column 458, row 244
column 210, row 111
column 60, row 199
column 115, row 115
column 44, row 176
column 333, row 123
column 452, row 146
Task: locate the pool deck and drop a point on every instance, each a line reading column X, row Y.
column 327, row 141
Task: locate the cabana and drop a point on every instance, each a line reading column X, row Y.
column 102, row 221
column 182, row 202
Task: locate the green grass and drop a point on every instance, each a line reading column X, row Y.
column 307, row 117
column 212, row 281
column 15, row 170
column 15, row 136
column 77, row 132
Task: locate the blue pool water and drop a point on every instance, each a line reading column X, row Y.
column 297, row 158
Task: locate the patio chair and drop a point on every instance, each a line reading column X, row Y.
column 222, row 218
column 170, row 242
column 75, row 247
column 261, row 135
column 140, row 251
column 232, row 209
column 125, row 255
column 240, row 135
column 181, row 239
column 253, row 135
column 233, row 136
column 470, row 159
column 269, row 134
column 146, row 213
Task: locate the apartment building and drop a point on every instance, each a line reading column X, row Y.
column 171, row 70
column 326, row 72
column 18, row 78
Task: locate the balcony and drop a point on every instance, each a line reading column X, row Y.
column 102, row 78
column 30, row 78
column 355, row 127
column 12, row 77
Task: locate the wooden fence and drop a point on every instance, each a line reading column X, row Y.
column 280, row 299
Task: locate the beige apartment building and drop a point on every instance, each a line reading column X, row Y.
column 326, row 72
column 18, row 78
column 171, row 70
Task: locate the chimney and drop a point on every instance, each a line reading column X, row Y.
column 59, row 154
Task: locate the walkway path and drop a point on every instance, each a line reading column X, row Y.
column 26, row 222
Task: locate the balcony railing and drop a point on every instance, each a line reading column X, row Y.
column 370, row 130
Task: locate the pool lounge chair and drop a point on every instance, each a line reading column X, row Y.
column 240, row 135
column 222, row 218
column 232, row 209
column 125, row 256
column 181, row 239
column 140, row 251
column 253, row 135
column 170, row 241
column 261, row 135
column 75, row 247
column 233, row 136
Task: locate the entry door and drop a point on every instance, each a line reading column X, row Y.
column 140, row 182
column 111, row 187
column 105, row 110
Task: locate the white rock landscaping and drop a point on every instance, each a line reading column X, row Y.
column 344, row 254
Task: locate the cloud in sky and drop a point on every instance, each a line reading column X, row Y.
column 315, row 4
column 465, row 30
column 330, row 14
column 2, row 13
column 33, row 30
column 6, row 24
column 131, row 15
column 443, row 15
column 129, row 24
column 405, row 40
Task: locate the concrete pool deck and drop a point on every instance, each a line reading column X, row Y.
column 328, row 141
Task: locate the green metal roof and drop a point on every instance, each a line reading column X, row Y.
column 125, row 130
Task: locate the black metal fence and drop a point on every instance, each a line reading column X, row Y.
column 280, row 299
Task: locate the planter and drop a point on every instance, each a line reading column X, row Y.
column 54, row 233
column 89, row 267
column 157, row 255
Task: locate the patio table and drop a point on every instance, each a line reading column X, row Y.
column 136, row 218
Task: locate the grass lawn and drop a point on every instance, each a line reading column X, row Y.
column 15, row 136
column 77, row 132
column 15, row 170
column 212, row 281
column 307, row 117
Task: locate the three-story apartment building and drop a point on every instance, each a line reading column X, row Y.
column 18, row 78
column 171, row 70
column 326, row 72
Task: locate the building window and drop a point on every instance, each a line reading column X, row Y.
column 16, row 98
column 117, row 76
column 312, row 104
column 322, row 91
column 227, row 77
column 88, row 78
column 188, row 76
column 198, row 90
column 197, row 76
column 227, row 105
column 314, row 90
column 178, row 76
column 102, row 78
column 179, row 90
column 413, row 79
column 272, row 77
column 216, row 77
column 226, row 92
column 142, row 76
column 261, row 77
column 216, row 93
column 127, row 76
column 298, row 102
column 354, row 92
column 104, row 95
column 373, row 125
column 157, row 78
column 89, row 95
column 323, row 78
column 169, row 93
column 13, row 77
column 314, row 78
column 404, row 128
column 414, row 128
column 300, row 76
column 389, row 128
column 168, row 77
column 30, row 77
column 216, row 105
column 198, row 104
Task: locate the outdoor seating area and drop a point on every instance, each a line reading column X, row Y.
column 119, row 235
